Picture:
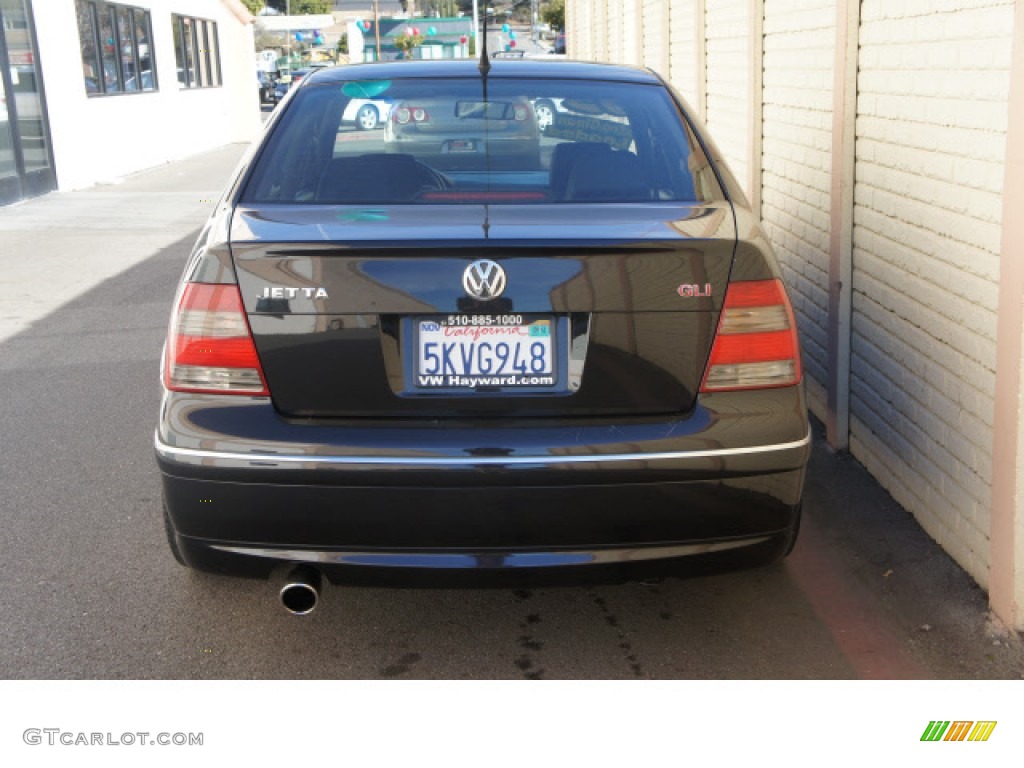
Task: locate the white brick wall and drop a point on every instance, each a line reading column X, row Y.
column 578, row 25
column 728, row 82
column 931, row 135
column 625, row 21
column 932, row 102
column 617, row 20
column 682, row 69
column 601, row 33
column 654, row 36
column 799, row 53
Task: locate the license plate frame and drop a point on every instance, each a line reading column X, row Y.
column 461, row 147
column 465, row 353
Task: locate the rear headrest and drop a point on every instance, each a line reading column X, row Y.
column 618, row 177
column 566, row 156
column 371, row 179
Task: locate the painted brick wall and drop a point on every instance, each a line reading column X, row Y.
column 578, row 25
column 613, row 31
column 628, row 19
column 931, row 135
column 799, row 53
column 728, row 82
column 654, row 36
column 660, row 34
column 682, row 70
column 932, row 90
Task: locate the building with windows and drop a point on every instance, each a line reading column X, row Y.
column 443, row 38
column 94, row 90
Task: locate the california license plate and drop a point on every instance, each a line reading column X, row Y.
column 461, row 145
column 472, row 351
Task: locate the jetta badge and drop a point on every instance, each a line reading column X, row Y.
column 484, row 280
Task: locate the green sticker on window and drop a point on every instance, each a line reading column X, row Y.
column 365, row 89
column 366, row 214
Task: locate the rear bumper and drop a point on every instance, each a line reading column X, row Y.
column 246, row 489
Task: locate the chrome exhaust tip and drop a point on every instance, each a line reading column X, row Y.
column 301, row 591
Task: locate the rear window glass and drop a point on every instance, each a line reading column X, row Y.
column 421, row 141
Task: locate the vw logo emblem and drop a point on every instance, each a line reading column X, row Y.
column 484, row 280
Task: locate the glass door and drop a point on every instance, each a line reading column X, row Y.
column 26, row 160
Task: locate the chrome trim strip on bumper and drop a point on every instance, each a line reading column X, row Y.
column 485, row 560
column 268, row 460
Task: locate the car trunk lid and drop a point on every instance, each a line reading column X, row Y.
column 336, row 298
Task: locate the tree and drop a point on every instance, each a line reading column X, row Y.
column 266, row 40
column 522, row 10
column 302, row 7
column 554, row 14
column 312, row 6
column 443, row 8
column 406, row 42
column 254, row 6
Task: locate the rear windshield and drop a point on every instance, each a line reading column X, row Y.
column 422, row 141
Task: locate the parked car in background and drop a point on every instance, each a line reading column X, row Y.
column 287, row 80
column 279, row 92
column 545, row 110
column 265, row 84
column 476, row 347
column 461, row 131
column 366, row 114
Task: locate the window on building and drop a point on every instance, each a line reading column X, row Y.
column 144, row 36
column 117, row 55
column 196, row 51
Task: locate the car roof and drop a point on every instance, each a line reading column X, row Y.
column 560, row 69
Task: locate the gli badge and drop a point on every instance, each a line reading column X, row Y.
column 688, row 291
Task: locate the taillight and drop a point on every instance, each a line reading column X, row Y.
column 756, row 345
column 417, row 114
column 209, row 345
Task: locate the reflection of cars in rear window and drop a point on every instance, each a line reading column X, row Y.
column 366, row 114
column 462, row 131
column 545, row 110
column 444, row 140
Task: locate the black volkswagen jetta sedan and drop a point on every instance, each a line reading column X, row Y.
column 378, row 360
